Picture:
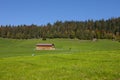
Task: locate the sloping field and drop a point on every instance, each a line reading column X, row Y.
column 87, row 60
column 12, row 47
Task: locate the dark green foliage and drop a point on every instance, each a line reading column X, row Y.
column 87, row 30
column 44, row 38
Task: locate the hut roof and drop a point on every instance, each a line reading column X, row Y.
column 44, row 44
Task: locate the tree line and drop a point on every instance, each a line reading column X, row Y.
column 83, row 30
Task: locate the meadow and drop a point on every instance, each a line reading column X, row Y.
column 73, row 59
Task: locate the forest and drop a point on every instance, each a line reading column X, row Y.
column 83, row 30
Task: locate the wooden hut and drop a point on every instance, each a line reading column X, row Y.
column 45, row 47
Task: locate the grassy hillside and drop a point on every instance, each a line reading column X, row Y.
column 87, row 60
column 12, row 47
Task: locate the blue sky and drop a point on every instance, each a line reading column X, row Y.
column 40, row 12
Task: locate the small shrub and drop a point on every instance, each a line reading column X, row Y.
column 44, row 39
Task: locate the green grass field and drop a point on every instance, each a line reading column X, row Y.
column 87, row 60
